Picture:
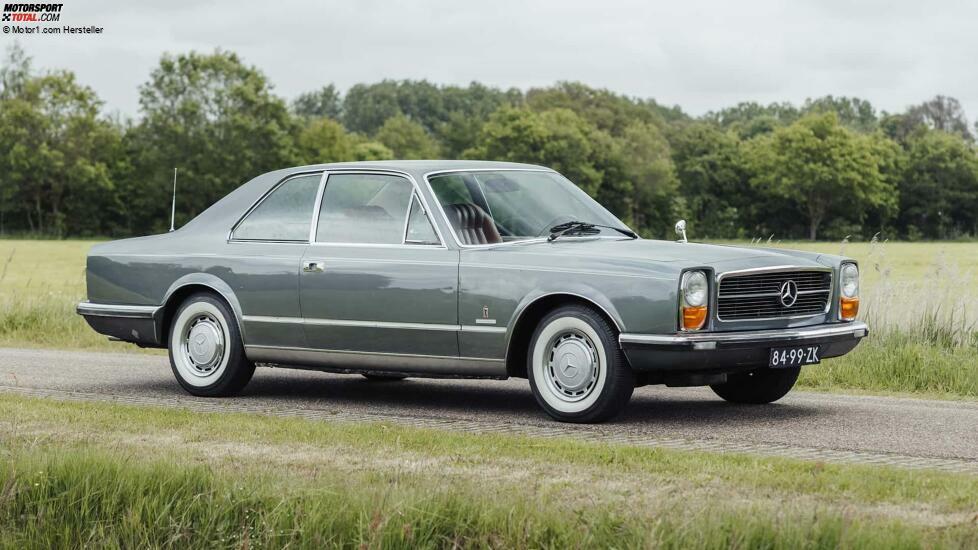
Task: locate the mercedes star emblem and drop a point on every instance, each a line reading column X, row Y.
column 789, row 293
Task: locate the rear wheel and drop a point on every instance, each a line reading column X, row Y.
column 577, row 371
column 757, row 387
column 206, row 352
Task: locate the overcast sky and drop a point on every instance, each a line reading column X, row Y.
column 698, row 55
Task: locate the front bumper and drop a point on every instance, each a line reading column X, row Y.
column 733, row 351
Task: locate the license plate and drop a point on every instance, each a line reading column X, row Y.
column 794, row 357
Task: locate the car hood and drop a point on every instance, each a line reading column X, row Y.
column 676, row 255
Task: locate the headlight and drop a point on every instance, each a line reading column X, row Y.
column 848, row 292
column 850, row 280
column 694, row 289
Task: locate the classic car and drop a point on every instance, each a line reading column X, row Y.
column 466, row 269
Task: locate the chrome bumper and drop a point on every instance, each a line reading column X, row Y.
column 729, row 351
column 710, row 340
column 114, row 310
column 137, row 324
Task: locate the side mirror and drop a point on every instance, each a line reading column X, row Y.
column 681, row 231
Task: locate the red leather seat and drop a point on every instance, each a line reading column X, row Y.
column 472, row 224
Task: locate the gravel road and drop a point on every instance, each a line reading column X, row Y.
column 912, row 433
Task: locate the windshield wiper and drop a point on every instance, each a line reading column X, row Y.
column 558, row 231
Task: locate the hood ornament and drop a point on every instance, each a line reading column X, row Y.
column 681, row 231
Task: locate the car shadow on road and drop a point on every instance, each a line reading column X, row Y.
column 508, row 400
column 513, row 398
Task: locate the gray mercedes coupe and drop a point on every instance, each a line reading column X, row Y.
column 466, row 269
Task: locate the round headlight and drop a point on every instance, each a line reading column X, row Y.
column 850, row 281
column 695, row 288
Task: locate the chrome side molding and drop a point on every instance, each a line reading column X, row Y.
column 382, row 362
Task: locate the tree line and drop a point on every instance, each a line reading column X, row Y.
column 828, row 168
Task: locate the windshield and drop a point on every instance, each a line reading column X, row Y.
column 507, row 205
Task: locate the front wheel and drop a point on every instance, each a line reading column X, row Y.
column 206, row 352
column 757, row 387
column 577, row 371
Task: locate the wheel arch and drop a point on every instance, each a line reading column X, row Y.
column 187, row 285
column 533, row 310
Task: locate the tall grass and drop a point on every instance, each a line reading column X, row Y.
column 939, row 308
column 924, row 330
column 85, row 498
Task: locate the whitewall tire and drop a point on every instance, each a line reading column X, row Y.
column 206, row 352
column 577, row 371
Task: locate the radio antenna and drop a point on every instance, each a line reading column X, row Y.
column 173, row 207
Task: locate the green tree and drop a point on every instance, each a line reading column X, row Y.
column 749, row 118
column 452, row 114
column 407, row 139
column 714, row 184
column 647, row 166
column 15, row 72
column 465, row 111
column 822, row 168
column 214, row 118
column 324, row 102
column 372, row 150
column 325, row 140
column 367, row 106
column 854, row 113
column 56, row 152
column 941, row 113
column 558, row 138
column 939, row 188
column 606, row 110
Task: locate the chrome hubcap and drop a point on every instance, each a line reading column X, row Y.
column 572, row 365
column 203, row 344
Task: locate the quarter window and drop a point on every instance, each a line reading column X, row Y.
column 364, row 209
column 419, row 229
column 285, row 214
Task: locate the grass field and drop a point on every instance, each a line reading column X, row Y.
column 97, row 475
column 921, row 300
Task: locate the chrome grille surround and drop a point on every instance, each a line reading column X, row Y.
column 755, row 294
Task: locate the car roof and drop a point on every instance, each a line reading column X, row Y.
column 420, row 167
column 234, row 204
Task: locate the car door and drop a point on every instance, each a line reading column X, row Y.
column 261, row 262
column 377, row 278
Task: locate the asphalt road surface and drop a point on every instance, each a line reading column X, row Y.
column 912, row 433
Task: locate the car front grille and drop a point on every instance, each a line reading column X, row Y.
column 759, row 295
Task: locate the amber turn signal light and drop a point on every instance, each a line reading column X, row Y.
column 848, row 308
column 694, row 317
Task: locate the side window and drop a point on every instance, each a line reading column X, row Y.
column 285, row 214
column 364, row 208
column 419, row 229
column 451, row 189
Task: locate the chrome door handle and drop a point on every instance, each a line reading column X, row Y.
column 313, row 266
